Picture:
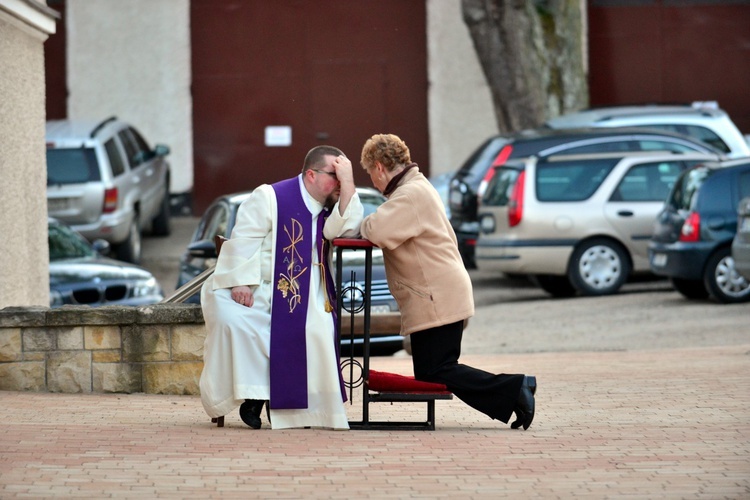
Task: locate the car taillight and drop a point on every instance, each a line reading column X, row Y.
column 691, row 228
column 110, row 200
column 500, row 159
column 515, row 203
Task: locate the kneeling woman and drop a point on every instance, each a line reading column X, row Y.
column 429, row 281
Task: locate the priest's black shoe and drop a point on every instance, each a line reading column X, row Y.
column 525, row 404
column 250, row 412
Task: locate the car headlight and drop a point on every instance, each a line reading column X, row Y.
column 146, row 288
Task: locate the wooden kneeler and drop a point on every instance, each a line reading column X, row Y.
column 381, row 387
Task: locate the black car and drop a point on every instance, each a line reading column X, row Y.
column 469, row 182
column 80, row 275
column 219, row 219
column 692, row 239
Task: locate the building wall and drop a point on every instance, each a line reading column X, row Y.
column 461, row 113
column 132, row 59
column 24, row 257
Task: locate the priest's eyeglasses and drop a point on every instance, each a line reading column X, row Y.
column 332, row 174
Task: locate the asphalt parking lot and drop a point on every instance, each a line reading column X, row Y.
column 513, row 316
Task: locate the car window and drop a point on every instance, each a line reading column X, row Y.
column 213, row 223
column 71, row 166
column 685, row 188
column 136, row 147
column 64, row 243
column 744, row 182
column 701, row 133
column 115, row 157
column 648, row 182
column 571, row 180
column 370, row 202
column 500, row 187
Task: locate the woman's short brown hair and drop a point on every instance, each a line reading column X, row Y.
column 388, row 149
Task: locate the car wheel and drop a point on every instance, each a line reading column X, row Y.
column 557, row 286
column 130, row 249
column 598, row 267
column 723, row 281
column 691, row 289
column 161, row 225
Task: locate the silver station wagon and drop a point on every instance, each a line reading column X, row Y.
column 576, row 223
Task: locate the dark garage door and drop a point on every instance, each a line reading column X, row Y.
column 334, row 72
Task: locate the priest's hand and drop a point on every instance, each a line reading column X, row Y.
column 243, row 295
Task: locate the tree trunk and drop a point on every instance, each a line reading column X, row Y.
column 531, row 52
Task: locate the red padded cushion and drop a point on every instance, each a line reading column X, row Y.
column 392, row 382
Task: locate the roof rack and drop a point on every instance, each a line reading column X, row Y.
column 101, row 126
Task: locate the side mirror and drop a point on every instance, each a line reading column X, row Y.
column 203, row 249
column 102, row 247
column 161, row 150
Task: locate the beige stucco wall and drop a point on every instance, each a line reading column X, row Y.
column 24, row 257
column 132, row 59
column 460, row 106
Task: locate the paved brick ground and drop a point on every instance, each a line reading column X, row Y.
column 645, row 424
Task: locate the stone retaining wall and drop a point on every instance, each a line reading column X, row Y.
column 152, row 349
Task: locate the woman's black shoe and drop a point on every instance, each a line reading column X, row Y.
column 250, row 412
column 525, row 404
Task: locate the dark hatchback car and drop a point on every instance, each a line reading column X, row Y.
column 469, row 182
column 80, row 275
column 692, row 239
column 219, row 219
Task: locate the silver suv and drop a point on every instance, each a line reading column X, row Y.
column 702, row 120
column 576, row 223
column 105, row 182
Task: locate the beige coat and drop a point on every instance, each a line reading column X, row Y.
column 424, row 269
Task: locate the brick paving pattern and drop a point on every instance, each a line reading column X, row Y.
column 638, row 424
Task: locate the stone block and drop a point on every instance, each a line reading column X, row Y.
column 106, row 356
column 102, row 337
column 23, row 316
column 172, row 378
column 10, row 344
column 39, row 339
column 22, row 376
column 69, row 338
column 69, row 371
column 87, row 315
column 170, row 313
column 117, row 377
column 35, row 356
column 146, row 343
column 187, row 342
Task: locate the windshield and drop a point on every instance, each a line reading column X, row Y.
column 71, row 166
column 64, row 243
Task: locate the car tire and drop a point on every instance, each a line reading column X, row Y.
column 161, row 224
column 130, row 249
column 690, row 289
column 557, row 286
column 722, row 280
column 598, row 267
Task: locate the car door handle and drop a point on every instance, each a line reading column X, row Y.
column 624, row 213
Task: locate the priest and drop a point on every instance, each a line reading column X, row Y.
column 269, row 306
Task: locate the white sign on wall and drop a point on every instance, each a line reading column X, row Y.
column 278, row 136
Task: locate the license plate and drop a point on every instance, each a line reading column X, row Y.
column 57, row 204
column 659, row 260
column 745, row 225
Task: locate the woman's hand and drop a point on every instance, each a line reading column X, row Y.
column 243, row 295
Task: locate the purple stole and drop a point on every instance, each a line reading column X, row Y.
column 292, row 270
